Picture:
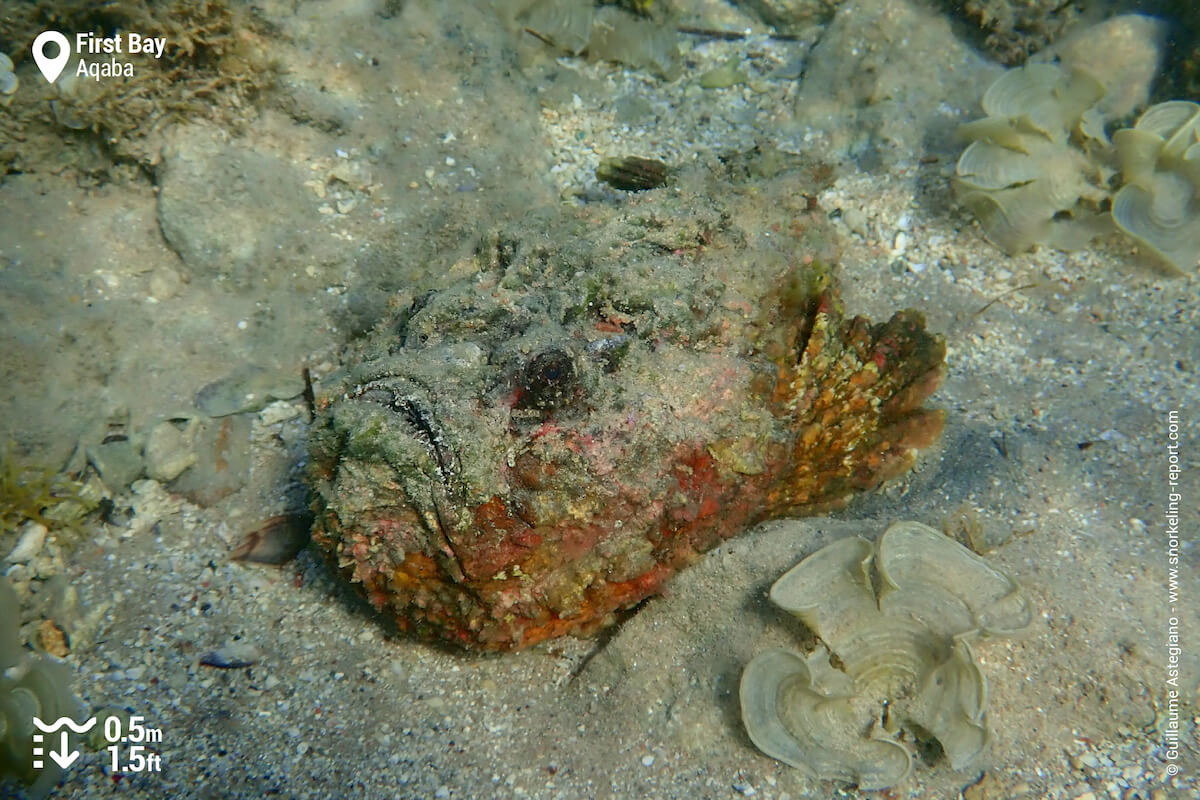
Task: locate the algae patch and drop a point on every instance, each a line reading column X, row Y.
column 39, row 495
column 899, row 620
column 1023, row 176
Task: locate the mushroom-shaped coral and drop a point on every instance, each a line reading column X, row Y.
column 1160, row 165
column 905, row 670
column 1021, row 175
column 30, row 686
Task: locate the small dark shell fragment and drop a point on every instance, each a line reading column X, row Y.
column 234, row 655
column 632, row 174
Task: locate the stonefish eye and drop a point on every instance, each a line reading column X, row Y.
column 548, row 381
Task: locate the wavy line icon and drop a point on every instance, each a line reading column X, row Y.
column 66, row 722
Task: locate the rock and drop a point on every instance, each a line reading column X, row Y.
column 228, row 210
column 878, row 82
column 168, row 451
column 1124, row 52
column 119, row 462
column 247, row 388
column 33, row 536
column 222, row 461
column 279, row 411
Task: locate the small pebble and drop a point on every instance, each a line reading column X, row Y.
column 33, row 536
column 235, row 655
column 647, row 761
column 856, row 221
column 168, row 450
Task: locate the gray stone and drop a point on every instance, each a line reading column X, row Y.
column 168, row 451
column 119, row 462
column 228, row 210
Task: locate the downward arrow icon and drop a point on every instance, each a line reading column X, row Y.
column 64, row 759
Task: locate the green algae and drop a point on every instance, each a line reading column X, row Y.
column 37, row 494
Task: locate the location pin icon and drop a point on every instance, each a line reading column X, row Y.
column 51, row 67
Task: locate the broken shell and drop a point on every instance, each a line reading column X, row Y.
column 632, row 173
column 904, row 656
column 276, row 541
column 234, row 655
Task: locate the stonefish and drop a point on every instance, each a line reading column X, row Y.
column 593, row 398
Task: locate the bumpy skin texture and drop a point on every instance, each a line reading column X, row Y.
column 546, row 439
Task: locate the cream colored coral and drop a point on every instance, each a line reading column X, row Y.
column 905, row 664
column 30, row 686
column 1159, row 205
